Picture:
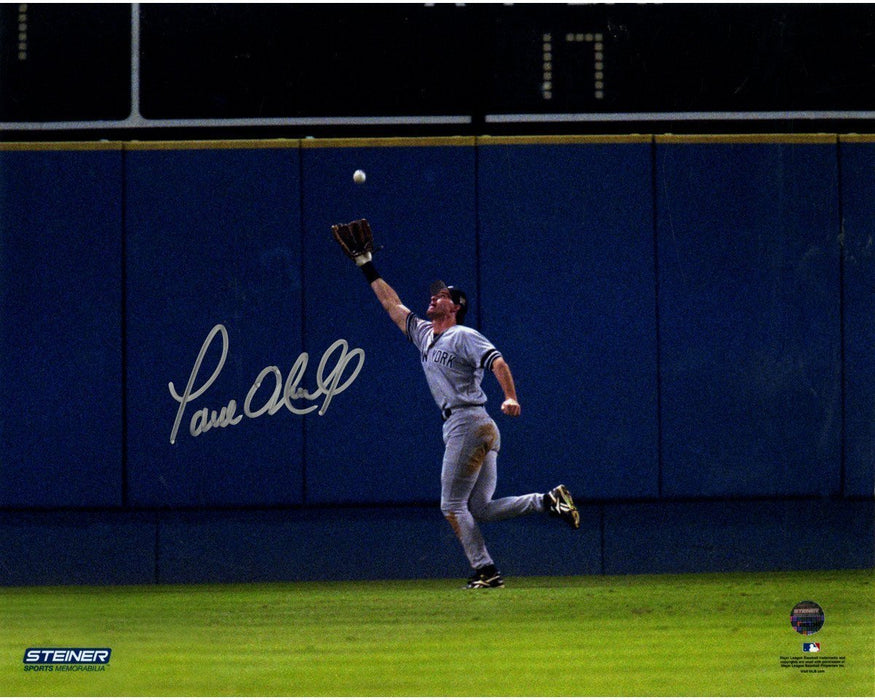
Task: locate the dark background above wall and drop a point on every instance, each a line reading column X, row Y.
column 160, row 70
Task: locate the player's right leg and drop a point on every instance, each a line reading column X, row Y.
column 485, row 509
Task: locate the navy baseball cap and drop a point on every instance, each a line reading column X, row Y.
column 458, row 296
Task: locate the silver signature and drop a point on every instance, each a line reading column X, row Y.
column 330, row 382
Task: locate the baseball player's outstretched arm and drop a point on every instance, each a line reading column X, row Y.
column 501, row 370
column 357, row 242
column 391, row 303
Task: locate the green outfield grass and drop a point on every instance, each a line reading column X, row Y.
column 593, row 635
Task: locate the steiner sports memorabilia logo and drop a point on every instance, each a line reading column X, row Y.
column 66, row 659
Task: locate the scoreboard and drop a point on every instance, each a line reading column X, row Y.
column 474, row 67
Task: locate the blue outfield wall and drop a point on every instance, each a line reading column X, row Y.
column 379, row 441
column 750, row 323
column 209, row 243
column 198, row 386
column 61, row 417
column 568, row 294
column 858, row 297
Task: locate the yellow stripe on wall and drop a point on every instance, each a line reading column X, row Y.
column 571, row 139
column 746, row 138
column 389, row 142
column 430, row 141
column 206, row 144
column 857, row 138
column 62, row 146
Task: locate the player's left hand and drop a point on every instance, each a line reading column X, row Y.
column 510, row 407
column 355, row 239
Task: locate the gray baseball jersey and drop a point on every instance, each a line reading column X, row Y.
column 454, row 362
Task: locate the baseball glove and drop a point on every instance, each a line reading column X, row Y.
column 355, row 239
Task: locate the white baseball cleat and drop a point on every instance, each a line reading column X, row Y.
column 486, row 577
column 560, row 504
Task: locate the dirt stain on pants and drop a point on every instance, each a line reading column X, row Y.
column 486, row 436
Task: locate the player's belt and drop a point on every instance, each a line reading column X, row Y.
column 447, row 412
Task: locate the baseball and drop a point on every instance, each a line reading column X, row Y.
column 358, row 177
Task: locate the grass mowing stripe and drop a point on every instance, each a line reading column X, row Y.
column 637, row 635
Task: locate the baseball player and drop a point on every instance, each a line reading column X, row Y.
column 454, row 358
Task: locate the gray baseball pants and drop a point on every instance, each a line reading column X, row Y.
column 468, row 478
